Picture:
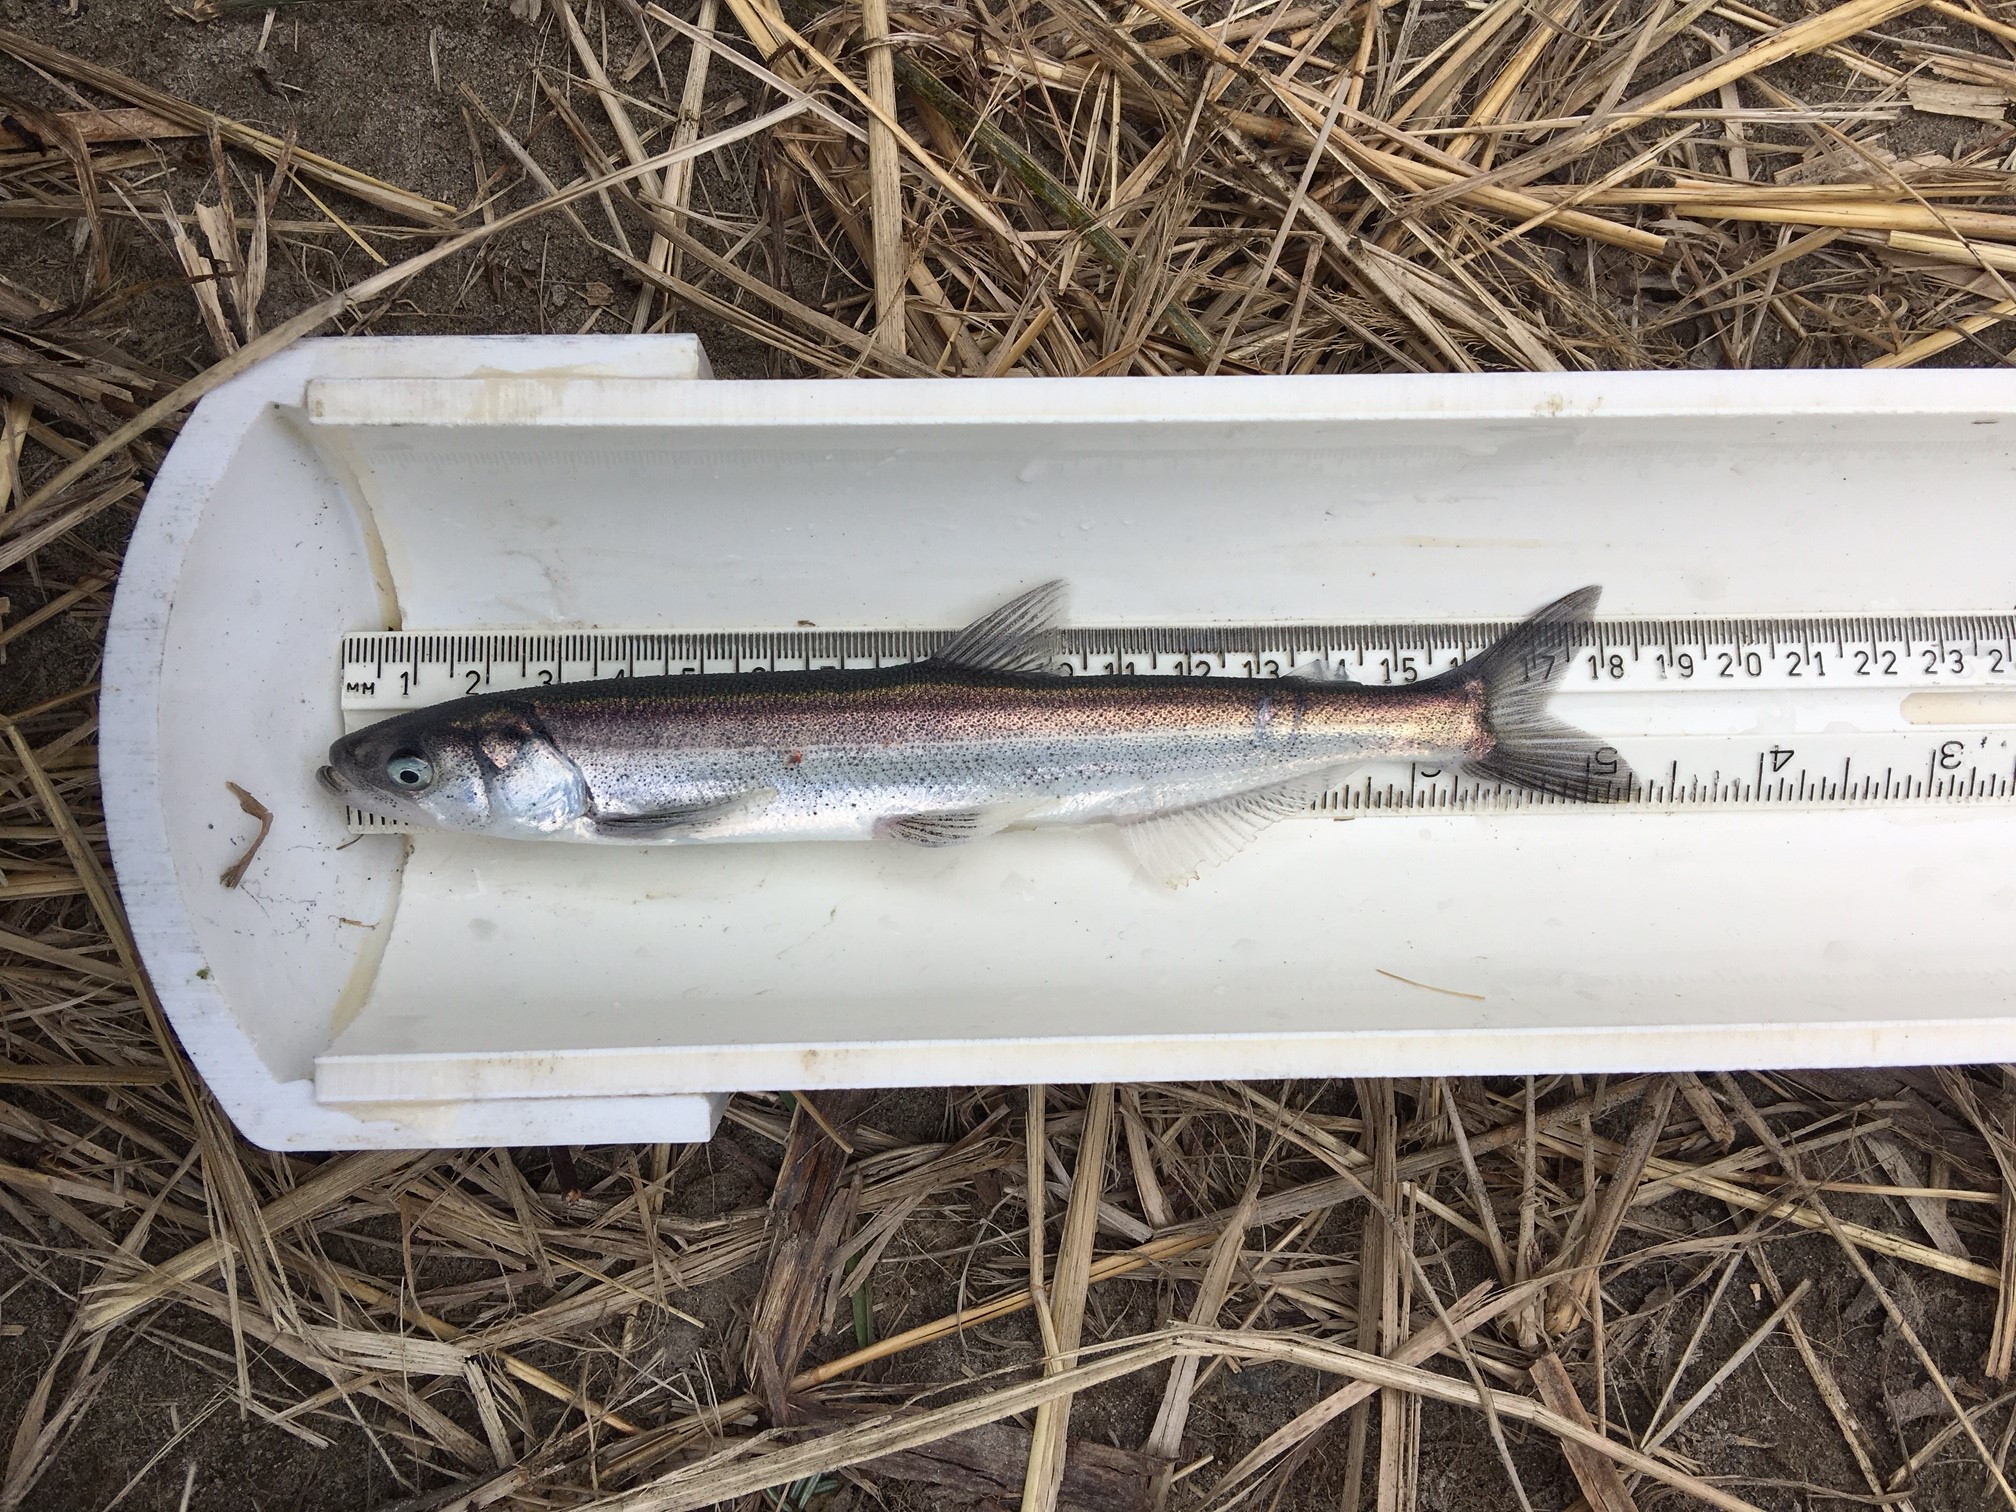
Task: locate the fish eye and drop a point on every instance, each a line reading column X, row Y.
column 409, row 769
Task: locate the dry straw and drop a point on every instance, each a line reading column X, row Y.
column 1587, row 1281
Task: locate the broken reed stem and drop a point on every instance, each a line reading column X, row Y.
column 1602, row 1487
column 772, row 22
column 659, row 255
column 14, row 1075
column 1822, row 1378
column 1038, row 181
column 322, row 312
column 200, row 121
column 1469, row 1313
column 1728, row 1367
column 1571, row 1301
column 1278, row 1208
column 1487, row 1218
column 1049, row 1439
column 692, row 101
column 1321, row 228
column 1664, row 1172
column 734, row 1472
column 1036, row 1184
column 1428, row 284
column 1998, row 1129
column 1791, row 1165
column 885, row 186
column 1165, row 1438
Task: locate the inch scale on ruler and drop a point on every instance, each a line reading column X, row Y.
column 1790, row 712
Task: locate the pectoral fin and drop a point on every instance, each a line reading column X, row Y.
column 689, row 821
column 1174, row 844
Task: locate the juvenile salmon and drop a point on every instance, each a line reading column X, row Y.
column 979, row 737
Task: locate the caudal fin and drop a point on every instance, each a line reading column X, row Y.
column 1529, row 747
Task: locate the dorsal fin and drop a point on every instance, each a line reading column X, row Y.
column 1020, row 636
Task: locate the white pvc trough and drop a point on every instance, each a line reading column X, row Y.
column 456, row 991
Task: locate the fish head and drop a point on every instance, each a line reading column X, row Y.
column 489, row 768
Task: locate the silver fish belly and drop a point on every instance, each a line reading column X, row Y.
column 978, row 738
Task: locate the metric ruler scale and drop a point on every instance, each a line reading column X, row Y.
column 1798, row 712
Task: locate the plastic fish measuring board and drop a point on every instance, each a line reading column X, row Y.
column 1778, row 712
column 1815, row 872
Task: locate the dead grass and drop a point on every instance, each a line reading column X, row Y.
column 1769, row 1292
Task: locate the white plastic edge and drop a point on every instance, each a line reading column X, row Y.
column 1580, row 1050
column 556, row 398
column 272, row 1113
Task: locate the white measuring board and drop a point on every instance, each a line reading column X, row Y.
column 1715, row 713
column 395, row 991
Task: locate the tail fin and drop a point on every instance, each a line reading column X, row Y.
column 1530, row 748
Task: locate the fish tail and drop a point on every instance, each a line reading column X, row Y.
column 1527, row 746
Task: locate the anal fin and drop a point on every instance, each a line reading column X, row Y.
column 1172, row 845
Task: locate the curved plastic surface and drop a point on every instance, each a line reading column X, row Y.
column 486, row 991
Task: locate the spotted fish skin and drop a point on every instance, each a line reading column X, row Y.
column 973, row 740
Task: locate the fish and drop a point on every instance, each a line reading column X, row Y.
column 984, row 735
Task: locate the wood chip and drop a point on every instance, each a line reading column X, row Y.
column 1975, row 102
column 1602, row 1487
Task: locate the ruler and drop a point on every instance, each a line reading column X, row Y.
column 1788, row 712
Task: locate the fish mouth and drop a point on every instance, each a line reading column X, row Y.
column 333, row 780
